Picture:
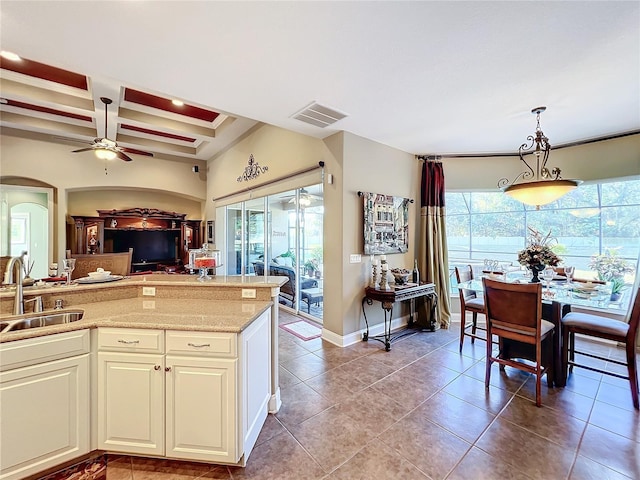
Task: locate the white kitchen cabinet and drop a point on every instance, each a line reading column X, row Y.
column 44, row 405
column 201, row 412
column 183, row 394
column 131, row 402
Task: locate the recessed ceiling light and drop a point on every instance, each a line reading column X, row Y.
column 177, row 103
column 10, row 55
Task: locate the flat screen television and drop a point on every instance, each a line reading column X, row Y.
column 148, row 245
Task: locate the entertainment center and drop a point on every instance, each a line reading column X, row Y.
column 156, row 236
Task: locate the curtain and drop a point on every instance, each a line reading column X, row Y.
column 433, row 258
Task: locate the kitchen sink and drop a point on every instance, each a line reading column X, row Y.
column 42, row 319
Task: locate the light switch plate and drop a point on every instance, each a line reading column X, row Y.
column 355, row 258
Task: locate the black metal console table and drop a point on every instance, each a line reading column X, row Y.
column 398, row 293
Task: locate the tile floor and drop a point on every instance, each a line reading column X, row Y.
column 421, row 411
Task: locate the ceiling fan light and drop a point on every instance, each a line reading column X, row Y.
column 542, row 192
column 104, row 154
column 14, row 57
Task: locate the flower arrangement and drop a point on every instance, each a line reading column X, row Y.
column 538, row 252
column 611, row 268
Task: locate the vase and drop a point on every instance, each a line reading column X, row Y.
column 535, row 270
column 615, row 296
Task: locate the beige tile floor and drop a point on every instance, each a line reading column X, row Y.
column 421, row 411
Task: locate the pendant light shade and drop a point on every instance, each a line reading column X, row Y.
column 545, row 186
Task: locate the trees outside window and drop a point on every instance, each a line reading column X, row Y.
column 586, row 222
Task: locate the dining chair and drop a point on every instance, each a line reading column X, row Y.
column 116, row 263
column 469, row 302
column 606, row 328
column 514, row 315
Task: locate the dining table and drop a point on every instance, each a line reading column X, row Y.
column 558, row 298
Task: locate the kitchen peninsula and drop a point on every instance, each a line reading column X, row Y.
column 159, row 365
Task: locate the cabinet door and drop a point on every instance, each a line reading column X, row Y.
column 131, row 402
column 45, row 416
column 202, row 409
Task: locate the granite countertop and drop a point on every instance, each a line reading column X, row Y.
column 157, row 280
column 206, row 314
column 163, row 313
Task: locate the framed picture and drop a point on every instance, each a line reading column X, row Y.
column 386, row 224
column 211, row 231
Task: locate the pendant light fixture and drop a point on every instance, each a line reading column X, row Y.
column 540, row 186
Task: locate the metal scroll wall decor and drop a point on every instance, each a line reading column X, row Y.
column 386, row 223
column 252, row 170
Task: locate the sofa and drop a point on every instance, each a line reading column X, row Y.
column 288, row 290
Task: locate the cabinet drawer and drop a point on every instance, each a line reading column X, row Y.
column 131, row 340
column 23, row 353
column 219, row 344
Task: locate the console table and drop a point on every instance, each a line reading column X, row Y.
column 398, row 293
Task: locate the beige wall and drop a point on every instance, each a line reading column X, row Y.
column 87, row 202
column 55, row 165
column 609, row 159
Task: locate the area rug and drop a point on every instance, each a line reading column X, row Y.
column 302, row 329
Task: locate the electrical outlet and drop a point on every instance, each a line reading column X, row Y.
column 149, row 291
column 355, row 258
column 248, row 293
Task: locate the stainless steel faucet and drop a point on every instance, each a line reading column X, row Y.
column 16, row 265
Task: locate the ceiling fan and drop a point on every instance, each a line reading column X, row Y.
column 106, row 149
column 306, row 198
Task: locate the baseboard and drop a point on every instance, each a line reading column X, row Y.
column 355, row 337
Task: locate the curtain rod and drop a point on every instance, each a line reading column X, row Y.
column 271, row 182
column 515, row 154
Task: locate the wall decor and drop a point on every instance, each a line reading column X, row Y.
column 252, row 170
column 211, row 231
column 386, row 223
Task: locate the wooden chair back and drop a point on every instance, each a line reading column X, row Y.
column 116, row 263
column 514, row 309
column 465, row 274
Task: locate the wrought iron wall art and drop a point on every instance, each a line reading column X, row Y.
column 386, row 223
column 252, row 170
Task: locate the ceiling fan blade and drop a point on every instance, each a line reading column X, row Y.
column 122, row 156
column 83, row 150
column 135, row 151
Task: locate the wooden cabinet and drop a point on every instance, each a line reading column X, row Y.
column 162, row 234
column 44, row 403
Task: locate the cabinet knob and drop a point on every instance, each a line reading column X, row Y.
column 167, row 369
column 157, row 367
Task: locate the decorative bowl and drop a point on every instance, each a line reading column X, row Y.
column 99, row 274
column 400, row 275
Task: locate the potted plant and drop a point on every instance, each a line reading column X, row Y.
column 610, row 267
column 310, row 266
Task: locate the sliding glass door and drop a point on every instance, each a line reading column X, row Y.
column 280, row 234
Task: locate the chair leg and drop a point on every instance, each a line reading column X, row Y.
column 565, row 352
column 463, row 318
column 632, row 370
column 487, row 374
column 474, row 326
column 572, row 349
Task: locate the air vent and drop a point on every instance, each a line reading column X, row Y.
column 319, row 115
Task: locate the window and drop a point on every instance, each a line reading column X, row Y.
column 585, row 222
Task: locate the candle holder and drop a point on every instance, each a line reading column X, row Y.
column 374, row 275
column 384, row 285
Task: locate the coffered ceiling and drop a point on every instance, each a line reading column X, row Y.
column 423, row 77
